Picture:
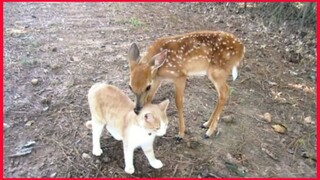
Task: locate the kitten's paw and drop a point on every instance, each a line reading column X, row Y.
column 129, row 169
column 156, row 164
column 97, row 152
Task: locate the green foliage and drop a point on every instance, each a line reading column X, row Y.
column 135, row 22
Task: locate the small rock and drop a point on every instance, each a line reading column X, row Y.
column 189, row 144
column 308, row 120
column 34, row 81
column 45, row 109
column 305, row 155
column 53, row 175
column 6, row 126
column 73, row 58
column 312, row 76
column 267, row 117
column 29, row 123
column 55, row 66
column 106, row 159
column 17, row 96
column 114, row 43
column 47, row 100
column 228, row 119
column 54, row 49
column 85, row 156
column 119, row 56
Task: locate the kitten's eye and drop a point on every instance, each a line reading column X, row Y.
column 130, row 88
column 158, row 129
column 148, row 88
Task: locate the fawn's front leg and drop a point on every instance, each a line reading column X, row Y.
column 148, row 151
column 179, row 85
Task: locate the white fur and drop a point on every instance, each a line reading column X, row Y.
column 234, row 73
column 139, row 137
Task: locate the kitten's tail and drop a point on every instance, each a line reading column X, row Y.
column 89, row 124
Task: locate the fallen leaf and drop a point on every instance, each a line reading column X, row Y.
column 279, row 128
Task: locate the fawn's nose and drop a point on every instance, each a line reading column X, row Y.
column 137, row 110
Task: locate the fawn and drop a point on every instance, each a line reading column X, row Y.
column 211, row 53
column 111, row 107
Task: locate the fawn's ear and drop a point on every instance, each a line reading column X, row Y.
column 148, row 117
column 133, row 55
column 164, row 105
column 158, row 59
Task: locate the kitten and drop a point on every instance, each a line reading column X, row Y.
column 111, row 107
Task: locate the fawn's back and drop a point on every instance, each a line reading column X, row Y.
column 194, row 53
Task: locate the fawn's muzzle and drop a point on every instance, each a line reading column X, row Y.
column 137, row 110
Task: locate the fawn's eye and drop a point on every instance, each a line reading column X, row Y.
column 130, row 88
column 148, row 88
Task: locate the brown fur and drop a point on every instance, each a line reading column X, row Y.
column 213, row 53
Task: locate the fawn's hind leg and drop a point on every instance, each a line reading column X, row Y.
column 218, row 78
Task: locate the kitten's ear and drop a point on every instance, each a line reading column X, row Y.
column 164, row 105
column 158, row 60
column 148, row 117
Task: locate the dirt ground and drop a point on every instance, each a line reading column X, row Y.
column 68, row 47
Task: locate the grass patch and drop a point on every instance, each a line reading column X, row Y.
column 26, row 62
column 135, row 22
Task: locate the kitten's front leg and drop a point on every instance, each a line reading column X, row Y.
column 128, row 157
column 148, row 151
column 96, row 134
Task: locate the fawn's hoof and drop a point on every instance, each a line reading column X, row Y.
column 205, row 136
column 178, row 139
column 202, row 126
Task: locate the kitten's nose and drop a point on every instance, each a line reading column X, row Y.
column 137, row 110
